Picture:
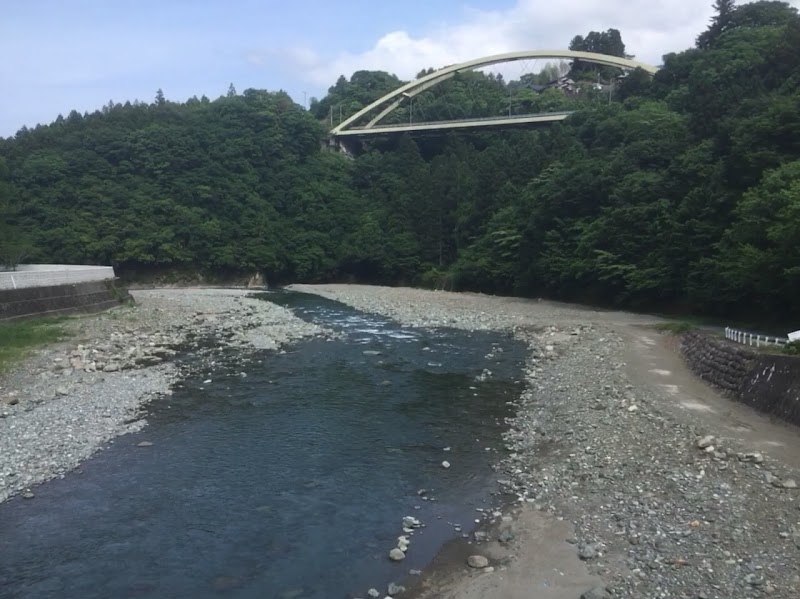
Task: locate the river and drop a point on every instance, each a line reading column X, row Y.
column 286, row 476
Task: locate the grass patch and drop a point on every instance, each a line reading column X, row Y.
column 792, row 348
column 676, row 328
column 18, row 338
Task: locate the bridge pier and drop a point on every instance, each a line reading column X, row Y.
column 339, row 145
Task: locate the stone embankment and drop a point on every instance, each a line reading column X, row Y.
column 64, row 403
column 767, row 382
column 68, row 298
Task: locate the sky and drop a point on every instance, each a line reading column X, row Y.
column 60, row 55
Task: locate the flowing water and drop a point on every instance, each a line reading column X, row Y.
column 290, row 482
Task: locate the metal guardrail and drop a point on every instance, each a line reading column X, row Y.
column 55, row 276
column 756, row 339
column 483, row 119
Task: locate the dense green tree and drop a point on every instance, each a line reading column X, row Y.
column 721, row 19
column 349, row 96
column 600, row 42
column 680, row 191
column 15, row 243
column 759, row 255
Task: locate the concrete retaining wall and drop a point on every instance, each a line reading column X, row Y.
column 91, row 296
column 44, row 275
column 768, row 382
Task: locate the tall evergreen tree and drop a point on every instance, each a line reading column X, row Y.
column 723, row 10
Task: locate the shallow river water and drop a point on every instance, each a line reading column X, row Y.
column 290, row 482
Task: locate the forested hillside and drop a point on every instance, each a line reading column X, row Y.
column 681, row 192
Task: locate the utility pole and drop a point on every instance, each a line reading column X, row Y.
column 411, row 111
column 305, row 104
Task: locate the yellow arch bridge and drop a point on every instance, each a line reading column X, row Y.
column 383, row 107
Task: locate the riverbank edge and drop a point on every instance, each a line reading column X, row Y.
column 446, row 574
column 68, row 400
column 637, row 494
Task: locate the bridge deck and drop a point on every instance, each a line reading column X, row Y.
column 501, row 121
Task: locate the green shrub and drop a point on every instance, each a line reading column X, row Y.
column 675, row 327
column 793, row 348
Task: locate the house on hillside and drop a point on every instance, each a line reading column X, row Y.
column 565, row 84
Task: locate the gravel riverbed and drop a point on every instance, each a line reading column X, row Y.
column 662, row 502
column 66, row 401
column 637, row 495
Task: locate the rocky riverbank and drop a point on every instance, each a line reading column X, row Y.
column 61, row 405
column 637, row 486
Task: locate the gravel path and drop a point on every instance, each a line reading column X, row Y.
column 663, row 503
column 68, row 400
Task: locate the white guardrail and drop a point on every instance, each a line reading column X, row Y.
column 42, row 275
column 746, row 338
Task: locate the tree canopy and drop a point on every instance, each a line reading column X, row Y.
column 677, row 192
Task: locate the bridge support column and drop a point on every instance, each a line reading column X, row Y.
column 341, row 146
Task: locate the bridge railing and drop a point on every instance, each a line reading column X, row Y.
column 43, row 275
column 484, row 119
column 747, row 338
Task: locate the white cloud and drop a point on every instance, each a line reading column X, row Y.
column 649, row 29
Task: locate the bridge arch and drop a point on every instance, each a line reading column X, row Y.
column 392, row 100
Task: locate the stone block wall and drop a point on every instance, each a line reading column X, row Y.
column 60, row 299
column 721, row 363
column 773, row 386
column 768, row 382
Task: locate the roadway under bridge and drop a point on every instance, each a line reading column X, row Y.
column 483, row 123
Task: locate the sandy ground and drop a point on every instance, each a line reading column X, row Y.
column 690, row 525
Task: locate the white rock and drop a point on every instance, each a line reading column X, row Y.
column 396, row 555
column 705, row 442
column 477, row 561
column 756, row 458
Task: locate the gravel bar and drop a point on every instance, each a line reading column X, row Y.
column 67, row 400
